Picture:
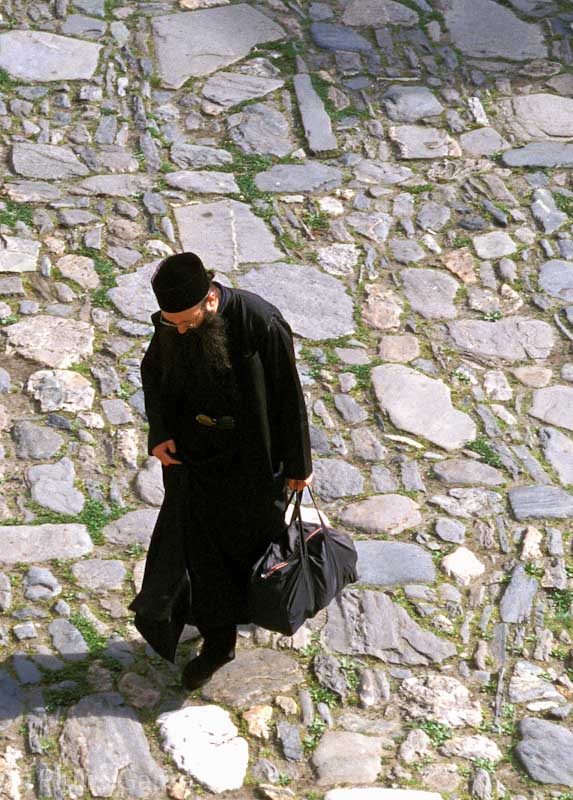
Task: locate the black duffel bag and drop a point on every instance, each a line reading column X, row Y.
column 300, row 574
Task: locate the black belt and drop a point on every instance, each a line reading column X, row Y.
column 223, row 423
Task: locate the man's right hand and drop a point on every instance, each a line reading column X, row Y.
column 163, row 452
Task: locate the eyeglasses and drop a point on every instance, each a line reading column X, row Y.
column 174, row 325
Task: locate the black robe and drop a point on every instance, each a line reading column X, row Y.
column 225, row 504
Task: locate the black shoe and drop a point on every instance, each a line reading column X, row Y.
column 218, row 649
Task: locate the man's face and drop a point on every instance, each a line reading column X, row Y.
column 188, row 319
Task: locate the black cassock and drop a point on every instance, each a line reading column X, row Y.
column 225, row 504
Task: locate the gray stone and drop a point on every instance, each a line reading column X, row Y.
column 348, row 407
column 37, row 56
column 366, row 445
column 200, row 42
column 494, row 245
column 40, row 584
column 312, row 176
column 37, row 543
column 32, row 192
column 79, row 269
column 261, row 128
column 99, row 574
column 337, row 37
column 52, row 487
column 33, row 441
column 467, row 472
column 529, row 685
column 420, row 141
column 517, row 600
column 388, row 513
column 541, row 502
column 86, row 27
column 386, row 173
column 553, row 404
column 315, row 120
column 135, row 527
column 198, row 156
column 558, row 450
column 68, row 641
column 393, row 563
column 378, row 13
column 226, row 233
column 540, row 154
column 329, row 673
column 335, row 478
column 450, row 530
column 26, row 670
column 430, row 292
column 343, row 757
column 506, row 340
column 546, row 212
column 11, row 702
column 27, row 630
column 288, row 286
column 483, row 142
column 484, row 29
column 115, row 186
column 117, row 412
column 199, row 182
column 383, row 480
column 133, row 295
column 369, row 623
column 149, row 483
column 406, row 251
column 51, row 341
column 433, row 216
column 256, row 676
column 289, row 737
column 440, row 698
column 126, row 769
column 18, row 255
column 227, row 89
column 339, row 259
column 410, row 103
column 556, row 278
column 546, row 751
column 421, row 405
column 375, row 227
column 5, row 592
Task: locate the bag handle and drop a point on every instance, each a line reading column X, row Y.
column 311, row 493
column 297, row 517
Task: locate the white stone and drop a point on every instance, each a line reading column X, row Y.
column 18, row 255
column 473, row 747
column 530, row 548
column 63, row 390
column 79, row 269
column 388, row 513
column 203, row 742
column 554, row 404
column 36, row 56
column 440, row 698
column 540, row 116
column 52, row 341
column 378, row 13
column 463, row 565
column 421, row 405
column 496, row 385
column 338, row 259
column 37, row 543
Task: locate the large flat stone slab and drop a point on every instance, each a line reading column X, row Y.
column 204, row 743
column 103, row 739
column 135, row 527
column 393, row 563
column 315, row 120
column 556, row 278
column 466, row 472
column 430, row 292
column 311, row 176
column 421, row 405
column 46, row 161
column 553, row 404
column 369, row 623
column 289, row 287
column 546, row 751
column 503, row 341
column 133, row 295
column 387, row 513
column 51, row 341
column 195, row 43
column 540, row 154
column 345, row 757
column 202, row 181
column 226, row 234
column 539, row 116
column 255, row 676
column 37, row 56
column 37, row 543
column 485, row 29
column 541, row 502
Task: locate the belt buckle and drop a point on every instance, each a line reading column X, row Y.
column 203, row 419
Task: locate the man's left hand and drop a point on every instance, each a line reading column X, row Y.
column 296, row 485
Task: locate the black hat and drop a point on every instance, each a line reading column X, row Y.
column 180, row 282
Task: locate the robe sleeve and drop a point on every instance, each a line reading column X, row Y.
column 286, row 400
column 151, row 382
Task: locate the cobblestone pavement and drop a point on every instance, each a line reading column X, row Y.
column 395, row 176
